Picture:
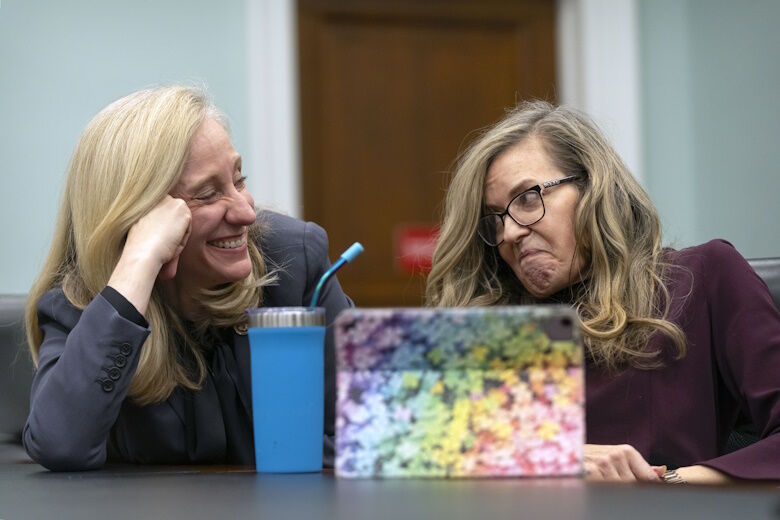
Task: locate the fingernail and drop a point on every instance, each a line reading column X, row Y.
column 659, row 471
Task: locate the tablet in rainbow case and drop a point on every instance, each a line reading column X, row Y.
column 469, row 392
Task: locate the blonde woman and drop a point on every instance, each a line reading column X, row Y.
column 542, row 210
column 136, row 321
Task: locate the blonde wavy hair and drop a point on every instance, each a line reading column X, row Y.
column 128, row 158
column 624, row 299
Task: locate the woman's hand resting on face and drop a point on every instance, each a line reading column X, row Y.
column 152, row 249
column 162, row 233
column 618, row 463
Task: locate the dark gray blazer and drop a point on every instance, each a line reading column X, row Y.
column 79, row 417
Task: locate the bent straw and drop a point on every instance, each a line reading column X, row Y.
column 347, row 256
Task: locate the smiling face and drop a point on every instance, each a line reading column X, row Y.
column 542, row 255
column 222, row 210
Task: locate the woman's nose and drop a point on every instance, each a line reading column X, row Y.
column 241, row 210
column 514, row 231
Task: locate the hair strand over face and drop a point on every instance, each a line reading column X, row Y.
column 625, row 300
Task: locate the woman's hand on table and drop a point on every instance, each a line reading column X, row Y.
column 619, row 463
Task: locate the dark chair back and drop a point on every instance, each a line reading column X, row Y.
column 769, row 270
column 16, row 367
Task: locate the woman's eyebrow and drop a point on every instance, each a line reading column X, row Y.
column 213, row 178
column 522, row 186
column 210, row 180
column 518, row 187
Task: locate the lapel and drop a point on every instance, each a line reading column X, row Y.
column 176, row 401
column 244, row 382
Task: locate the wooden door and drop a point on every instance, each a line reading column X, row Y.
column 391, row 92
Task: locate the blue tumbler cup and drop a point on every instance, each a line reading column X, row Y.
column 287, row 354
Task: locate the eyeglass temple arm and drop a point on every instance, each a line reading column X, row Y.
column 556, row 182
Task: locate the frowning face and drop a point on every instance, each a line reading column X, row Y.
column 542, row 255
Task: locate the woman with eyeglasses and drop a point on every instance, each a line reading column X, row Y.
column 678, row 342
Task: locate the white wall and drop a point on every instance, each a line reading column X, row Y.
column 598, row 70
column 668, row 119
column 61, row 62
column 711, row 109
column 274, row 134
column 686, row 89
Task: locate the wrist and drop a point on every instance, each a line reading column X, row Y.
column 134, row 276
column 139, row 258
column 702, row 475
column 672, row 477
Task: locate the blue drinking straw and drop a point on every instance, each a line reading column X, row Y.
column 347, row 256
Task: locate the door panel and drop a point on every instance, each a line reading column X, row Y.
column 390, row 93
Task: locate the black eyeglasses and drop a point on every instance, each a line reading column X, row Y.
column 525, row 209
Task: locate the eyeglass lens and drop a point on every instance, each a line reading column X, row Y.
column 525, row 209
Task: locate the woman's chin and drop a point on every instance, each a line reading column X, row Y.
column 539, row 293
column 234, row 274
column 240, row 275
column 537, row 281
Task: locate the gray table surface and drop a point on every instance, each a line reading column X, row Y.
column 123, row 491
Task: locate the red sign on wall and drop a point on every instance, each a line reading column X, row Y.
column 414, row 246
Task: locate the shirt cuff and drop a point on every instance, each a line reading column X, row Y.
column 125, row 309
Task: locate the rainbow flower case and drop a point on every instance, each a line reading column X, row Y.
column 472, row 392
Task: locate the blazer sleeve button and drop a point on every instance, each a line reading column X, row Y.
column 107, row 385
column 125, row 349
column 114, row 373
column 120, row 360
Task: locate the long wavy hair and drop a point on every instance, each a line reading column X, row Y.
column 127, row 159
column 624, row 299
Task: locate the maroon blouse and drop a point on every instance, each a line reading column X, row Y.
column 681, row 414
